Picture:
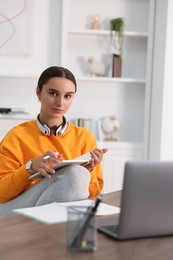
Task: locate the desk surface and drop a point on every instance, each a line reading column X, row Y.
column 22, row 238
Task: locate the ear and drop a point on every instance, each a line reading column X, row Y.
column 38, row 92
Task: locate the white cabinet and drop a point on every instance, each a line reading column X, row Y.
column 127, row 97
column 8, row 121
column 114, row 161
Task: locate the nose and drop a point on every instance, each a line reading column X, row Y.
column 59, row 101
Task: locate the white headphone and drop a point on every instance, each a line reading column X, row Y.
column 45, row 129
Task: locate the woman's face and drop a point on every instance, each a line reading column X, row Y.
column 56, row 98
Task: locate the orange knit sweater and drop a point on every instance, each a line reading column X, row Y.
column 25, row 142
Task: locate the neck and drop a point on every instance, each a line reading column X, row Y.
column 52, row 123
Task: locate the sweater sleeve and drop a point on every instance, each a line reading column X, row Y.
column 13, row 175
column 96, row 182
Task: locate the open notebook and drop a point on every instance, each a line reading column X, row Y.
column 81, row 160
column 57, row 212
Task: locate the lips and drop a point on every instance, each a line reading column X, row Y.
column 56, row 110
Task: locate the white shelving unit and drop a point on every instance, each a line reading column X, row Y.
column 7, row 121
column 127, row 97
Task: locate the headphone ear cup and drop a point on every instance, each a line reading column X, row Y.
column 61, row 129
column 43, row 128
column 58, row 130
column 47, row 130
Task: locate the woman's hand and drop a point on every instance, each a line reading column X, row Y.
column 40, row 164
column 96, row 158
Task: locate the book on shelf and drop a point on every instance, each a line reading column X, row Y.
column 84, row 122
column 9, row 110
column 116, row 65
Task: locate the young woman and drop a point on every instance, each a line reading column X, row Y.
column 35, row 145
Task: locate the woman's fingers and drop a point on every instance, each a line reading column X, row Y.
column 43, row 163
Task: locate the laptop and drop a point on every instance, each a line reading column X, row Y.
column 146, row 202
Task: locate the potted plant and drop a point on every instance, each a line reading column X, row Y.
column 117, row 35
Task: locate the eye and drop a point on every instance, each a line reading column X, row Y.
column 68, row 96
column 53, row 93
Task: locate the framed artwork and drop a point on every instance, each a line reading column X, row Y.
column 15, row 27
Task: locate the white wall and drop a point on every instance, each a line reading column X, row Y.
column 19, row 73
column 167, row 122
column 161, row 140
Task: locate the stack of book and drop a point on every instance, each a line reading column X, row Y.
column 116, row 65
column 84, row 122
column 87, row 123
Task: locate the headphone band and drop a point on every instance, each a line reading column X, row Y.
column 45, row 129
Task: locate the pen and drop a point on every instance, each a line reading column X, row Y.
column 83, row 225
column 37, row 174
column 48, row 156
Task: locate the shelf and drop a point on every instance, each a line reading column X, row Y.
column 113, row 80
column 12, row 74
column 106, row 33
column 20, row 116
column 121, row 145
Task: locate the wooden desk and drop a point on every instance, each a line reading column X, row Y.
column 22, row 238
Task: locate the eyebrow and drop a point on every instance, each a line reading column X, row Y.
column 70, row 92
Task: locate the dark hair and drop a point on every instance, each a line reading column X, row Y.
column 55, row 71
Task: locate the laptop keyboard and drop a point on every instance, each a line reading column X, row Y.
column 111, row 228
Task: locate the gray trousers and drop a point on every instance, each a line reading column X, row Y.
column 67, row 184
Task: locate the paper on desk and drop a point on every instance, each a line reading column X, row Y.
column 57, row 212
